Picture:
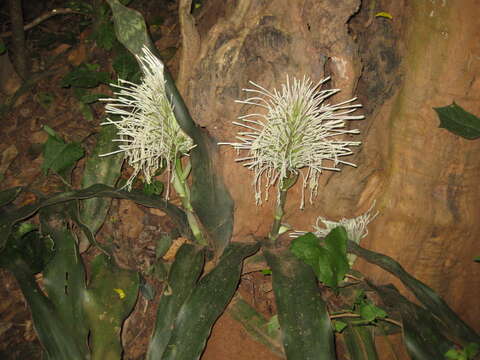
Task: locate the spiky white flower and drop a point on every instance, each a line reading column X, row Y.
column 149, row 134
column 356, row 227
column 295, row 130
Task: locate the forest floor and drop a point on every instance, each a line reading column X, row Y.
column 132, row 227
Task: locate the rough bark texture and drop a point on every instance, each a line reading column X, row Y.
column 18, row 37
column 425, row 180
column 263, row 41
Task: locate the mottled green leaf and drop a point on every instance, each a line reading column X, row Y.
column 130, row 27
column 206, row 303
column 64, row 276
column 100, row 170
column 306, row 327
column 458, row 121
column 183, row 276
column 110, row 298
column 360, row 342
column 56, row 337
column 264, row 331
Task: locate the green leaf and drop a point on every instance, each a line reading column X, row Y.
column 182, row 278
column 56, row 336
column 126, row 66
column 370, row 312
column 105, row 35
column 266, row 272
column 64, row 275
column 453, row 354
column 110, row 298
column 302, row 313
column 360, row 342
column 3, row 48
column 330, row 261
column 85, row 77
column 471, row 350
column 154, row 188
column 8, row 221
column 130, row 28
column 100, row 170
column 307, row 249
column 91, row 98
column 477, row 259
column 59, row 156
column 339, row 326
column 7, row 196
column 206, row 303
column 458, row 121
column 27, row 245
column 264, row 331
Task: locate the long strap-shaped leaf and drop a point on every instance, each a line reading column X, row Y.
column 303, row 317
column 182, row 278
column 98, row 190
column 359, row 340
column 255, row 324
column 426, row 295
column 422, row 332
column 64, row 276
column 111, row 296
column 206, row 303
column 55, row 337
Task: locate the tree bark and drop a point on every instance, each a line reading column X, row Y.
column 425, row 179
column 18, row 38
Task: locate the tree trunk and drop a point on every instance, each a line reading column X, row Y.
column 18, row 38
column 424, row 179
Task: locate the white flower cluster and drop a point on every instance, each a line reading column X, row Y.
column 356, row 228
column 296, row 129
column 149, row 134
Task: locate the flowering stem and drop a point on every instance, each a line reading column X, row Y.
column 181, row 187
column 285, row 185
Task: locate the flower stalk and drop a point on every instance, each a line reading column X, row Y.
column 279, row 211
column 182, row 189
